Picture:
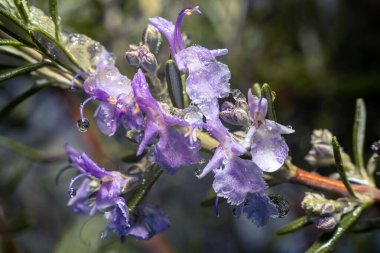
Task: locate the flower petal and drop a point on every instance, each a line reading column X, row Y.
column 105, row 118
column 268, row 149
column 259, row 208
column 148, row 221
column 238, row 178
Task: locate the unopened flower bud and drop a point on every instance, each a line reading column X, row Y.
column 152, row 38
column 327, row 223
column 234, row 115
column 376, row 147
column 147, row 59
column 132, row 56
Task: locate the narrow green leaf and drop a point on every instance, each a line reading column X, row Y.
column 5, row 75
column 367, row 226
column 14, row 27
column 339, row 166
column 186, row 99
column 53, row 9
column 327, row 241
column 267, row 93
column 18, row 147
column 294, row 225
column 53, row 49
column 4, row 42
column 21, row 98
column 256, row 90
column 359, row 136
column 23, row 8
column 139, row 194
column 173, row 78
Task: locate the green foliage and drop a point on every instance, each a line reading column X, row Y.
column 339, row 166
column 327, row 241
column 294, row 225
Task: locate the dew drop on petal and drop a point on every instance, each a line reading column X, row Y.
column 289, row 126
column 83, row 125
column 197, row 172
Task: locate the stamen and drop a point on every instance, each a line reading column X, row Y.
column 61, row 172
column 179, row 43
column 72, row 87
column 69, row 189
column 83, row 104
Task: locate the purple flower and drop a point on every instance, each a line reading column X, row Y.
column 258, row 207
column 172, row 149
column 234, row 177
column 207, row 78
column 101, row 189
column 144, row 223
column 268, row 148
column 114, row 90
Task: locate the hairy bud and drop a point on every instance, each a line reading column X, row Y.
column 152, row 38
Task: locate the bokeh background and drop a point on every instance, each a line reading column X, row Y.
column 318, row 56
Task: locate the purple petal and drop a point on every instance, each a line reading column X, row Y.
column 215, row 162
column 171, row 152
column 259, row 208
column 105, row 118
column 174, row 150
column 147, row 222
column 107, row 84
column 81, row 199
column 107, row 195
column 238, row 178
column 208, row 78
column 257, row 107
column 277, row 128
column 268, row 149
column 118, row 219
column 166, row 27
column 83, row 163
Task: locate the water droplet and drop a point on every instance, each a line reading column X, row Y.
column 289, row 126
column 72, row 192
column 197, row 172
column 202, row 161
column 83, row 125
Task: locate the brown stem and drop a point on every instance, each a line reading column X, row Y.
column 314, row 180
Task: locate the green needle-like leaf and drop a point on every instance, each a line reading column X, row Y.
column 327, row 241
column 14, row 27
column 21, row 98
column 53, row 9
column 139, row 194
column 4, row 42
column 294, row 225
column 267, row 93
column 339, row 166
column 27, row 151
column 23, row 8
column 256, row 90
column 359, row 136
column 173, row 78
column 5, row 75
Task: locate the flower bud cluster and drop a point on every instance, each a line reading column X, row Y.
column 326, row 213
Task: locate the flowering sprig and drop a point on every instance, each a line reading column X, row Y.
column 172, row 136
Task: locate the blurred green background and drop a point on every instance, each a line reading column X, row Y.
column 319, row 56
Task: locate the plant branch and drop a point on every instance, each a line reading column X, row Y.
column 316, row 181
